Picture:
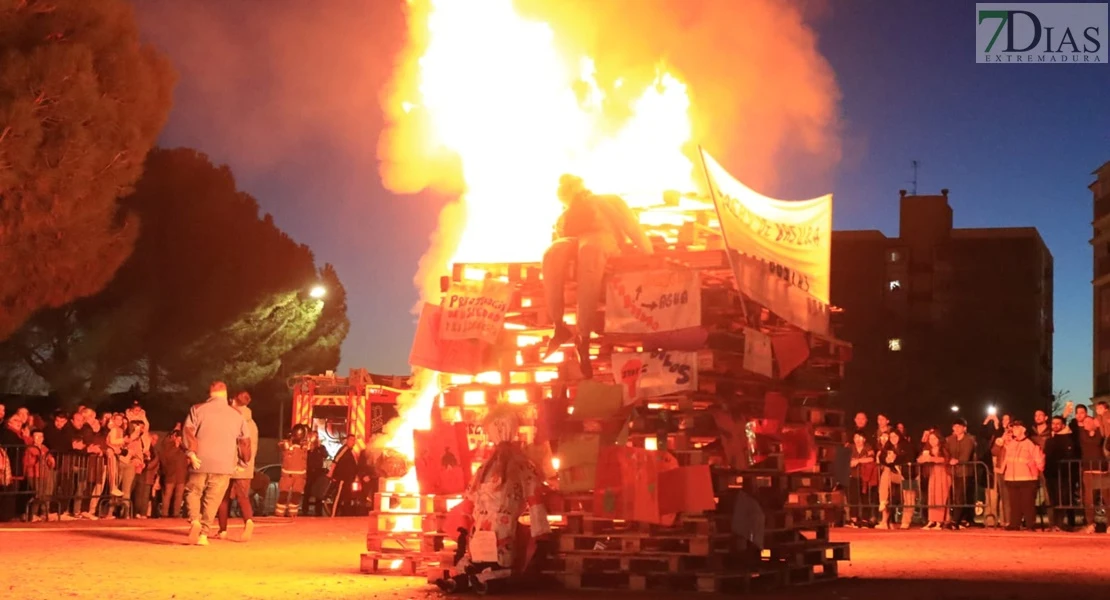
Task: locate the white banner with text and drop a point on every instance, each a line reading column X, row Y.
column 652, row 302
column 475, row 310
column 653, row 374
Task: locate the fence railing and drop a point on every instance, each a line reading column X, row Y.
column 76, row 483
column 1068, row 493
column 41, row 482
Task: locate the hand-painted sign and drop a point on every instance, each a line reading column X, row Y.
column 652, row 374
column 653, row 302
column 475, row 310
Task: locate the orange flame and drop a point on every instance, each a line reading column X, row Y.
column 492, row 90
column 486, row 106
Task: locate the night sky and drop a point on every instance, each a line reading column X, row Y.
column 1015, row 144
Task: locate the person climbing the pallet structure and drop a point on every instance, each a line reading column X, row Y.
column 591, row 229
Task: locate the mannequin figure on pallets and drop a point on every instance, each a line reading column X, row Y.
column 506, row 485
column 591, row 229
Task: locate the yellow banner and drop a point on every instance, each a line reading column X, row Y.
column 783, row 248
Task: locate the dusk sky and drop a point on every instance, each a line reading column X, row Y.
column 288, row 95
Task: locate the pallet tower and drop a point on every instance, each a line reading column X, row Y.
column 697, row 552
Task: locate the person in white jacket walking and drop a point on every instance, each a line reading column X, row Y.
column 1022, row 463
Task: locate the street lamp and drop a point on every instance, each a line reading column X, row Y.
column 955, row 408
column 318, row 291
column 992, row 410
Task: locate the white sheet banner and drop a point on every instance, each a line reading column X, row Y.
column 475, row 310
column 652, row 374
column 758, row 357
column 652, row 302
column 785, row 248
column 760, row 283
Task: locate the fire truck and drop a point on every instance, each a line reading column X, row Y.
column 359, row 404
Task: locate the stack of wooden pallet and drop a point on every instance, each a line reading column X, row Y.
column 408, row 535
column 696, row 551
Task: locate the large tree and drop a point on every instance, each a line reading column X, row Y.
column 212, row 289
column 289, row 333
column 82, row 101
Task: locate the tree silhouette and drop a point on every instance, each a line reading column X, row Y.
column 212, row 290
column 82, row 101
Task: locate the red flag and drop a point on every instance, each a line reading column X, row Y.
column 791, row 351
column 462, row 357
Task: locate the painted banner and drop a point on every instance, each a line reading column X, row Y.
column 442, row 458
column 780, row 249
column 658, row 373
column 627, row 484
column 475, row 310
column 429, row 351
column 652, row 302
column 757, row 353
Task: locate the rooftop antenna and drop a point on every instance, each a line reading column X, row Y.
column 914, row 181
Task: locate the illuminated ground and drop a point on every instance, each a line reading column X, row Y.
column 314, row 558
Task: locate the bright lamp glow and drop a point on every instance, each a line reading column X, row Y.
column 955, row 408
column 991, row 410
column 318, row 291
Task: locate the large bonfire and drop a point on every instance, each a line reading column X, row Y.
column 486, row 94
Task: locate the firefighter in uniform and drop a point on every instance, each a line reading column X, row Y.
column 591, row 229
column 294, row 471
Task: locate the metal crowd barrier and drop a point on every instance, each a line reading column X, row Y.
column 71, row 482
column 1071, row 490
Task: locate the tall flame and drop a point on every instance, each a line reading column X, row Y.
column 492, row 90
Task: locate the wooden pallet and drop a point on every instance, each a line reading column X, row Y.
column 753, row 479
column 401, row 542
column 388, row 522
column 600, row 561
column 708, row 581
column 405, row 564
column 403, row 503
column 693, row 545
column 799, row 533
column 585, row 523
column 795, row 517
column 808, row 552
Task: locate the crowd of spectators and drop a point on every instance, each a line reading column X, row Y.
column 1047, row 475
column 89, row 466
column 81, row 465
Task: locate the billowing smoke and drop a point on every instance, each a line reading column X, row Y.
column 265, row 83
column 762, row 94
column 764, row 100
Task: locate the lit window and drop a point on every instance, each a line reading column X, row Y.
column 895, row 285
column 893, row 256
column 894, row 344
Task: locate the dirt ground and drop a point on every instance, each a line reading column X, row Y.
column 318, row 558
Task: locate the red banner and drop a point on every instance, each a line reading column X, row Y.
column 799, row 448
column 686, row 490
column 627, row 484
column 442, row 458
